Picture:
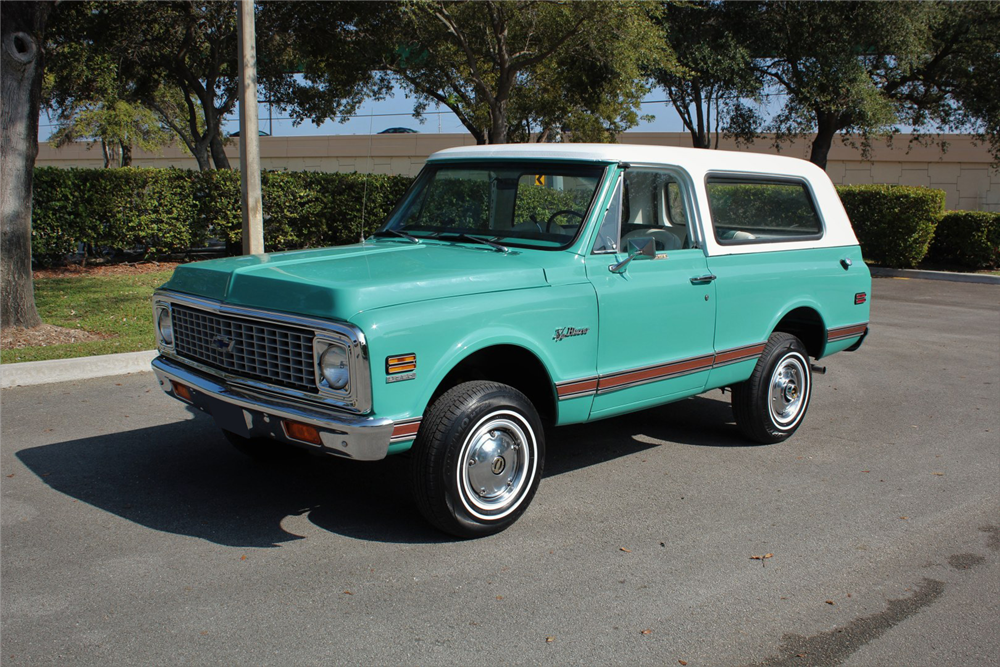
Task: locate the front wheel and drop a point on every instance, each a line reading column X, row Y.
column 771, row 404
column 478, row 459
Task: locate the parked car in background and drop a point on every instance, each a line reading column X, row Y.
column 518, row 288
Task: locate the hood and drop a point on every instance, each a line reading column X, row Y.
column 340, row 282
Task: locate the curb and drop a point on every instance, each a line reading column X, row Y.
column 949, row 276
column 81, row 368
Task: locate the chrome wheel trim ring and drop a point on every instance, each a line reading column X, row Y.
column 496, row 465
column 788, row 392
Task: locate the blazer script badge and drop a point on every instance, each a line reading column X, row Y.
column 566, row 332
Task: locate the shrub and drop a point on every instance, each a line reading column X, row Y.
column 143, row 210
column 968, row 238
column 59, row 220
column 169, row 210
column 894, row 223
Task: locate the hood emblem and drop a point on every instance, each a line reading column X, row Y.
column 224, row 343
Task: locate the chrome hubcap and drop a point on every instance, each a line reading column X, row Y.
column 498, row 465
column 789, row 391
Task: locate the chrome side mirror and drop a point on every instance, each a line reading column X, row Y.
column 643, row 247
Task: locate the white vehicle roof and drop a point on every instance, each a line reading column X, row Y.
column 698, row 163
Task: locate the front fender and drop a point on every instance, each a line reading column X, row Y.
column 444, row 332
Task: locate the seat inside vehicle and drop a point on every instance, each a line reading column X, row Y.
column 652, row 207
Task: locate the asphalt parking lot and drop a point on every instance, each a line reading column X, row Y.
column 132, row 533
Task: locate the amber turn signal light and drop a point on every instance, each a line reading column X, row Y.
column 181, row 391
column 303, row 432
column 401, row 363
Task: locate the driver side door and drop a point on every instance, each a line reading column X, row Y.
column 657, row 315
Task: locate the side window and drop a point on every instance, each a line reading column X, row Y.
column 654, row 206
column 748, row 210
column 648, row 203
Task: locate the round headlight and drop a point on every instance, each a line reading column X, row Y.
column 333, row 366
column 165, row 327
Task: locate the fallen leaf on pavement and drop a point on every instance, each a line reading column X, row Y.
column 831, row 602
column 348, row 593
column 549, row 640
column 682, row 662
column 628, row 551
column 646, row 631
column 243, row 557
column 939, row 474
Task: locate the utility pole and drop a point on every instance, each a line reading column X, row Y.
column 253, row 222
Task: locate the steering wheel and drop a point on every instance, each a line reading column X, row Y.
column 565, row 211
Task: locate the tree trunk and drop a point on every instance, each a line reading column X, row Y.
column 126, row 154
column 219, row 156
column 200, row 153
column 498, row 123
column 827, row 126
column 21, row 68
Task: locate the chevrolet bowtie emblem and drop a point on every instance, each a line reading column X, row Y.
column 224, row 343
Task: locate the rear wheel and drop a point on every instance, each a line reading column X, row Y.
column 478, row 459
column 771, row 404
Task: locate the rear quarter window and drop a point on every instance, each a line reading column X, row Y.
column 748, row 210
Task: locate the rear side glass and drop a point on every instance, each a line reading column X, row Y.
column 746, row 210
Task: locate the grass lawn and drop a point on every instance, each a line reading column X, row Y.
column 117, row 306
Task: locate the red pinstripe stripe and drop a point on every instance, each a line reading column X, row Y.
column 846, row 332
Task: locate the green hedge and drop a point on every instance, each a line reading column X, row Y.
column 894, row 223
column 156, row 211
column 968, row 238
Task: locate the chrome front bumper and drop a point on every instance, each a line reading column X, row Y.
column 252, row 414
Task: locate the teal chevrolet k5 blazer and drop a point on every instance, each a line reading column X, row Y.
column 520, row 287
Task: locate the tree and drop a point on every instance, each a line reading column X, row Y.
column 176, row 58
column 865, row 68
column 22, row 34
column 956, row 84
column 118, row 125
column 713, row 72
column 504, row 68
column 82, row 87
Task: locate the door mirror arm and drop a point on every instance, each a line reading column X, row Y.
column 638, row 248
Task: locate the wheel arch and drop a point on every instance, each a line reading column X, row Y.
column 805, row 323
column 507, row 363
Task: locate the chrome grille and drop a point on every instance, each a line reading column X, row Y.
column 266, row 352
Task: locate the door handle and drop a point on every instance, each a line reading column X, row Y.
column 703, row 279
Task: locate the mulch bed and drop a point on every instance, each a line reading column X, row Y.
column 15, row 338
column 122, row 269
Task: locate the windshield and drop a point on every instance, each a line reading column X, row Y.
column 541, row 205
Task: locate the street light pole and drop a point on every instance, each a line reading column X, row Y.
column 253, row 223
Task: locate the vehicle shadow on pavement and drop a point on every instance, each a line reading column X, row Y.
column 700, row 421
column 185, row 478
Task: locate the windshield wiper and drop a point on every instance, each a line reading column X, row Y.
column 475, row 239
column 396, row 232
